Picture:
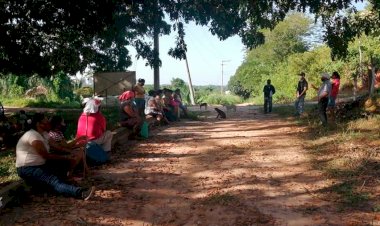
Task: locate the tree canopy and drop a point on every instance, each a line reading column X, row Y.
column 44, row 37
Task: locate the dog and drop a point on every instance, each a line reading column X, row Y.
column 221, row 113
column 230, row 107
column 203, row 105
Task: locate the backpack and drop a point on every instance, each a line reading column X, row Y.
column 95, row 155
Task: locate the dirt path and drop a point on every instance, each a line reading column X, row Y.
column 250, row 169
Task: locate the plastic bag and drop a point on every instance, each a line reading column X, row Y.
column 144, row 130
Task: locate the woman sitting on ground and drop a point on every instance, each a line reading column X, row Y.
column 60, row 145
column 152, row 109
column 32, row 151
column 168, row 107
column 129, row 116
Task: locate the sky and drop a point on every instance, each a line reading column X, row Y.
column 205, row 54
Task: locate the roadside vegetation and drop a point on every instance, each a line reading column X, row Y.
column 347, row 151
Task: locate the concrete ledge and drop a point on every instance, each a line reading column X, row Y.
column 9, row 192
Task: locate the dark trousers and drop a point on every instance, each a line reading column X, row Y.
column 41, row 176
column 322, row 106
column 267, row 104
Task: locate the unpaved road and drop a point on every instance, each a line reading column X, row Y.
column 250, row 169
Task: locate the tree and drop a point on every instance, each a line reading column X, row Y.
column 45, row 37
column 285, row 39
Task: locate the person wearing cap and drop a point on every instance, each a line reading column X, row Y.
column 302, row 87
column 93, row 125
column 140, row 96
column 323, row 97
column 268, row 90
column 129, row 117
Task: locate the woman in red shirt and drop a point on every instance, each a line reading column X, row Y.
column 92, row 124
column 335, row 83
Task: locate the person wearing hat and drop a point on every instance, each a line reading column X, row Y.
column 129, row 117
column 93, row 125
column 302, row 87
column 140, row 96
column 323, row 97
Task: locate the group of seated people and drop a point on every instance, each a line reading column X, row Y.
column 162, row 105
column 44, row 157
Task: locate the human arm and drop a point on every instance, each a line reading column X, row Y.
column 40, row 148
column 131, row 113
column 273, row 90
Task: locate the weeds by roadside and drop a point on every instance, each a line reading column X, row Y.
column 346, row 151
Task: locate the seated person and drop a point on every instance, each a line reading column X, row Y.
column 60, row 145
column 92, row 124
column 153, row 110
column 32, row 151
column 178, row 98
column 169, row 105
column 129, row 116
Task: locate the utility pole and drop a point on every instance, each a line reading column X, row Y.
column 190, row 83
column 221, row 87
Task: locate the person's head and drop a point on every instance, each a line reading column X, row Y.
column 127, row 95
column 324, row 77
column 151, row 93
column 141, row 81
column 302, row 75
column 58, row 123
column 177, row 91
column 40, row 122
column 335, row 74
column 268, row 81
column 92, row 104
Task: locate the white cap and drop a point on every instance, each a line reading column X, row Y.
column 325, row 75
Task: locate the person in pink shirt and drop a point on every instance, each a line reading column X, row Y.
column 92, row 124
column 335, row 83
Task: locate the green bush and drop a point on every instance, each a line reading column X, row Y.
column 223, row 99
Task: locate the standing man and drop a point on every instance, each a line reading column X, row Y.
column 268, row 90
column 140, row 96
column 323, row 97
column 301, row 94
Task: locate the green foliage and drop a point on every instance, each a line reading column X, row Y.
column 284, row 40
column 222, row 99
column 62, row 86
column 84, row 91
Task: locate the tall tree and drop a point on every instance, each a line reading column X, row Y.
column 41, row 36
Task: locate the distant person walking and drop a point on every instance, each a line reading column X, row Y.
column 140, row 96
column 301, row 94
column 323, row 97
column 268, row 90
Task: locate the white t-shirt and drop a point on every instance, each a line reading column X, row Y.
column 26, row 155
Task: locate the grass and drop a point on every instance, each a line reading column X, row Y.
column 7, row 167
column 344, row 152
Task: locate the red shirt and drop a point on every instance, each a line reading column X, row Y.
column 335, row 87
column 95, row 124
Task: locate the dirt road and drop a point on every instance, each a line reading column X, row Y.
column 250, row 169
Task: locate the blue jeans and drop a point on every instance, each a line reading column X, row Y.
column 299, row 104
column 41, row 175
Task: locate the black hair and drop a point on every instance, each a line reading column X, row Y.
column 336, row 74
column 152, row 93
column 55, row 121
column 37, row 117
column 141, row 80
column 268, row 81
